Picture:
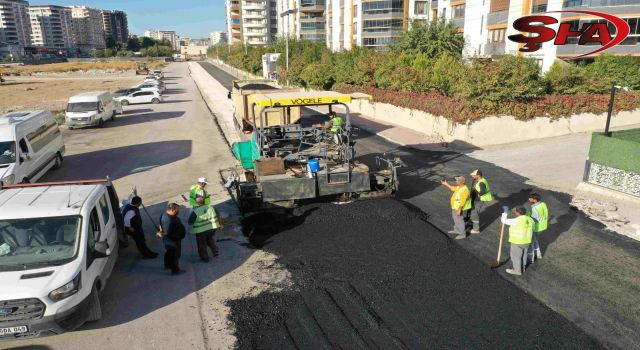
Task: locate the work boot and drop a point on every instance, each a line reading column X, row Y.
column 461, row 236
column 475, row 232
column 453, row 232
column 513, row 272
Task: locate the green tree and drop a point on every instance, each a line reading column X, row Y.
column 133, row 45
column 146, row 42
column 433, row 38
column 125, row 53
column 111, row 43
column 446, row 74
column 317, row 76
column 608, row 69
column 99, row 54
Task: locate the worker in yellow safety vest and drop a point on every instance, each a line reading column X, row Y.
column 460, row 204
column 204, row 222
column 540, row 215
column 520, row 237
column 198, row 190
column 335, row 125
column 480, row 196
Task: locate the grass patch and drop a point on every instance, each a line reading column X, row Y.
column 81, row 67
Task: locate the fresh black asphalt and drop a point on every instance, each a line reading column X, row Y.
column 381, row 274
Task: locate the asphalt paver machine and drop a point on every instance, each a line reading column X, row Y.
column 293, row 157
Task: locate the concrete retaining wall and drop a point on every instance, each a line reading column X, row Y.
column 490, row 130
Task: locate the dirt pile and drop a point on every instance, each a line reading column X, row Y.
column 375, row 274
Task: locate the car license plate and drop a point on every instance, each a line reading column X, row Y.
column 13, row 330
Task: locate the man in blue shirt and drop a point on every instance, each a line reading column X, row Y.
column 172, row 233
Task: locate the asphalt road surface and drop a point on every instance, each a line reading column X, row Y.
column 161, row 150
column 378, row 274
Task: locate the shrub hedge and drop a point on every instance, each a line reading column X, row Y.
column 424, row 71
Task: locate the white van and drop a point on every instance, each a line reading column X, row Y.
column 90, row 108
column 58, row 246
column 30, row 145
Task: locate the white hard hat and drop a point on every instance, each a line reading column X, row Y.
column 203, row 180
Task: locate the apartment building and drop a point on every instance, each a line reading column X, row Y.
column 168, row 35
column 302, row 19
column 234, row 19
column 216, row 38
column 370, row 23
column 51, row 27
column 120, row 27
column 88, row 29
column 252, row 22
column 15, row 28
column 488, row 24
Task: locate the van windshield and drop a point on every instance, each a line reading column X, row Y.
column 7, row 153
column 82, row 107
column 38, row 242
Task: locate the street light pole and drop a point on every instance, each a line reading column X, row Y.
column 614, row 88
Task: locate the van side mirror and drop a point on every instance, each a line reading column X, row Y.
column 101, row 250
column 229, row 95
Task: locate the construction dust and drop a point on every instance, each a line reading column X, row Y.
column 375, row 274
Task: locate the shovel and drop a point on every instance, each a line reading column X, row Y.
column 498, row 263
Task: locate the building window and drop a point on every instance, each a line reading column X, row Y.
column 383, row 7
column 377, row 42
column 458, row 11
column 421, row 8
column 312, row 25
column 497, row 35
column 382, row 25
column 274, row 30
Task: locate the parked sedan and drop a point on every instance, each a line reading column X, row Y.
column 123, row 92
column 158, row 73
column 151, row 85
column 140, row 97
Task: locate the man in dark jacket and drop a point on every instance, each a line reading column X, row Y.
column 173, row 232
column 133, row 227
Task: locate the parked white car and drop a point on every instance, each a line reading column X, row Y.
column 58, row 246
column 150, row 86
column 90, row 108
column 144, row 96
column 30, row 145
column 158, row 73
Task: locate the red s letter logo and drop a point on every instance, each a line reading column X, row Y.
column 525, row 24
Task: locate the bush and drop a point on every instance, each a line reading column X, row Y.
column 510, row 78
column 317, row 76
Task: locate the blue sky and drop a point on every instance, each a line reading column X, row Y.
column 189, row 18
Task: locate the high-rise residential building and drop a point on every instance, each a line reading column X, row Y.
column 302, row 19
column 216, row 38
column 253, row 22
column 15, row 29
column 51, row 27
column 487, row 26
column 234, row 25
column 115, row 25
column 373, row 24
column 168, row 35
column 88, row 28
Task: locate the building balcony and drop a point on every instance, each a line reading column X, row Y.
column 494, row 49
column 253, row 15
column 312, row 8
column 254, row 5
column 434, row 5
column 499, row 17
column 255, row 34
column 255, row 24
column 598, row 3
column 257, row 42
column 458, row 22
column 575, row 50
